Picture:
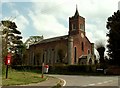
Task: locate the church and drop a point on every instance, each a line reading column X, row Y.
column 74, row 48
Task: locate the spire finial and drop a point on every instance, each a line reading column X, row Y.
column 76, row 13
column 76, row 6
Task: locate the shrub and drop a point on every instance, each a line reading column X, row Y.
column 60, row 69
column 72, row 69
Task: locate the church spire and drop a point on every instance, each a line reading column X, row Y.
column 76, row 13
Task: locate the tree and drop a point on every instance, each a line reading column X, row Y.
column 12, row 40
column 33, row 40
column 100, row 46
column 113, row 25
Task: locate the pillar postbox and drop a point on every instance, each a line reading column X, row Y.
column 8, row 59
column 46, row 67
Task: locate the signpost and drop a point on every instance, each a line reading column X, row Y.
column 42, row 70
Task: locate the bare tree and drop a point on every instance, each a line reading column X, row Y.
column 100, row 47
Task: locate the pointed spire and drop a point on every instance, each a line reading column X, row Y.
column 76, row 13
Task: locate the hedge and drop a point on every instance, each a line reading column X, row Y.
column 60, row 69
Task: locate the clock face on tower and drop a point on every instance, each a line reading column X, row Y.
column 82, row 35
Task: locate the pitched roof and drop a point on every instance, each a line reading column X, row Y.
column 53, row 39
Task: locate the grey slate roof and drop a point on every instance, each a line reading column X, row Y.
column 65, row 37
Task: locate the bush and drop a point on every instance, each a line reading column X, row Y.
column 77, row 68
column 113, row 70
column 72, row 69
column 60, row 69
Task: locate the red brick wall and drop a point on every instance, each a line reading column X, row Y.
column 77, row 42
column 54, row 45
column 77, row 39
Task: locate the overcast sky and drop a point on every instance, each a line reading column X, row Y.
column 50, row 18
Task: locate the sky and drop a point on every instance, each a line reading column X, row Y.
column 50, row 18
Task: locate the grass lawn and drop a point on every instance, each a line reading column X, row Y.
column 21, row 78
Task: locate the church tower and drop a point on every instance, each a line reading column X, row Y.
column 76, row 24
column 76, row 37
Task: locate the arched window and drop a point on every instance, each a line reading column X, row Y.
column 82, row 27
column 75, row 54
column 88, row 51
column 82, row 46
column 73, row 26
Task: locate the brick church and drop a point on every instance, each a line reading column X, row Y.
column 74, row 48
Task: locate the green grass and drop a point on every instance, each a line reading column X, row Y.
column 21, row 78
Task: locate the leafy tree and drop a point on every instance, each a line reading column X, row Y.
column 12, row 40
column 32, row 40
column 113, row 25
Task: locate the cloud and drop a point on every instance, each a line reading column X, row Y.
column 48, row 20
column 14, row 15
column 119, row 5
column 16, row 0
column 21, row 22
column 96, row 30
column 51, row 18
column 96, row 13
column 0, row 11
column 47, row 25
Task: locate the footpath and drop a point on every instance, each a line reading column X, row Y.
column 50, row 82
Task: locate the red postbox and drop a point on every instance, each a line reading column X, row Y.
column 46, row 66
column 8, row 59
